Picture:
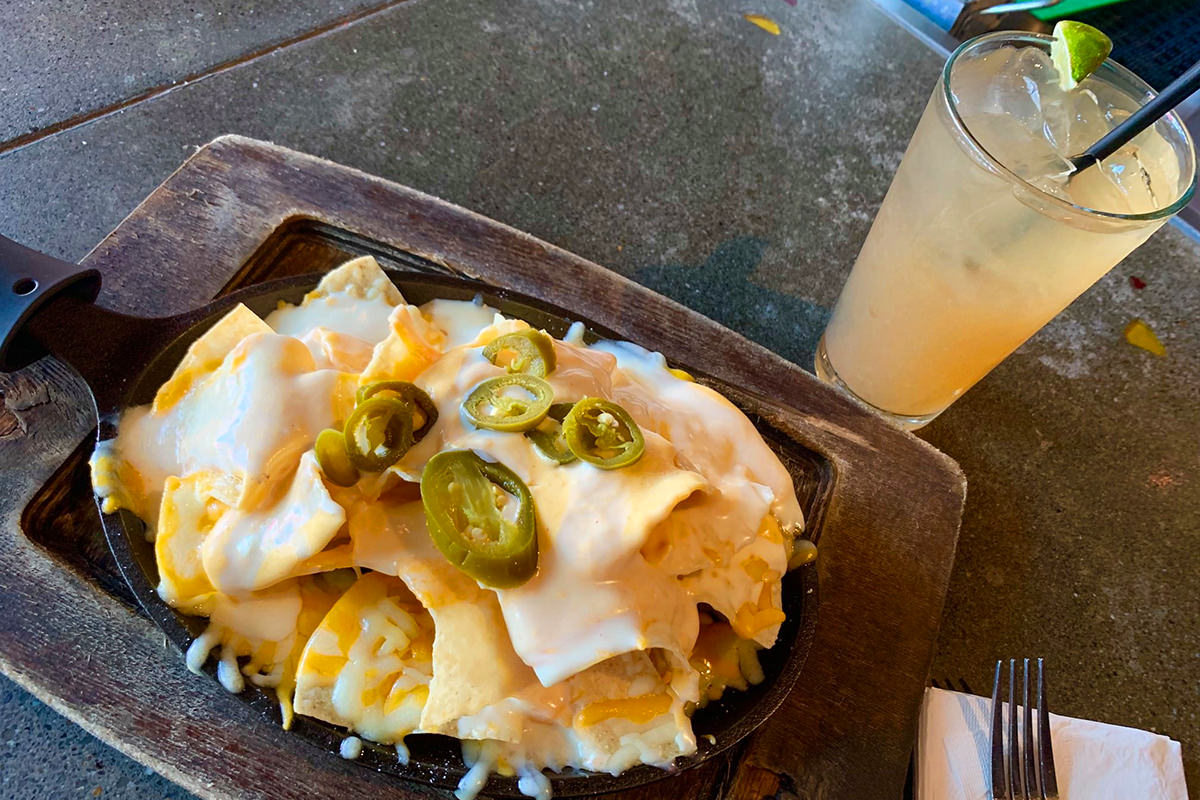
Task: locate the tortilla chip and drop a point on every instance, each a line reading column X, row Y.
column 118, row 484
column 367, row 665
column 251, row 550
column 473, row 661
column 340, row 351
column 413, row 344
column 594, row 595
column 709, row 528
column 497, row 329
column 188, row 512
column 318, row 593
column 619, row 712
column 625, row 700
column 474, row 664
column 360, row 277
column 750, row 594
column 328, row 560
column 206, row 354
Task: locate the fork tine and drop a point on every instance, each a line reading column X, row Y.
column 999, row 786
column 1014, row 743
column 1028, row 766
column 1049, row 780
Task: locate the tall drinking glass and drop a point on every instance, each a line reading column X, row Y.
column 982, row 237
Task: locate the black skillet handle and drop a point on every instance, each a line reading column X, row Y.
column 28, row 279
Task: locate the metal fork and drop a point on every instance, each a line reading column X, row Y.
column 1022, row 765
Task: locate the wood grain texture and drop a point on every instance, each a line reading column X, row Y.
column 887, row 541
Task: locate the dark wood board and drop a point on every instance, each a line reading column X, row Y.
column 69, row 635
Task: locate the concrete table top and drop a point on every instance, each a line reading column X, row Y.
column 733, row 170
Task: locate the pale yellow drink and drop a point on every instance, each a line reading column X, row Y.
column 981, row 240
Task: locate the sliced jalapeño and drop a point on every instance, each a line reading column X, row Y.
column 514, row 402
column 378, row 432
column 529, row 351
column 466, row 502
column 547, row 436
column 333, row 459
column 408, row 392
column 602, row 433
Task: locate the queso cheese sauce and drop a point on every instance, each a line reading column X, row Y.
column 658, row 574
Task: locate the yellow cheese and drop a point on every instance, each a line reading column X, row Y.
column 412, row 345
column 639, row 709
column 206, row 354
column 361, row 669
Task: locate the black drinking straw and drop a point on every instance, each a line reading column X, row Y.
column 1178, row 91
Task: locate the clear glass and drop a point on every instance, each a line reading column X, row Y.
column 965, row 260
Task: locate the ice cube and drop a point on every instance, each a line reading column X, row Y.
column 1126, row 171
column 1014, row 91
column 1103, row 187
column 1009, row 140
column 980, row 85
column 1010, row 101
column 1088, row 120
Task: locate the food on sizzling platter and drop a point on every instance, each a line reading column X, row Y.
column 437, row 519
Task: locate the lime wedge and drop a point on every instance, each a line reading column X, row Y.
column 1077, row 50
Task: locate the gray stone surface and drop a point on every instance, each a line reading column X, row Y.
column 738, row 172
column 64, row 58
column 579, row 122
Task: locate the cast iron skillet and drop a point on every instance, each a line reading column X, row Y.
column 46, row 306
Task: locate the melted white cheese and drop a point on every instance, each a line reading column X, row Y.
column 707, row 430
column 251, row 625
column 340, row 351
column 711, row 535
column 268, row 616
column 460, row 320
column 594, row 596
column 249, row 550
column 364, row 318
column 252, row 418
column 350, row 748
column 608, row 718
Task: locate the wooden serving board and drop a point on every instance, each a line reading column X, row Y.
column 240, row 211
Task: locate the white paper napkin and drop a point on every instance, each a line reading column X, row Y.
column 1093, row 761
